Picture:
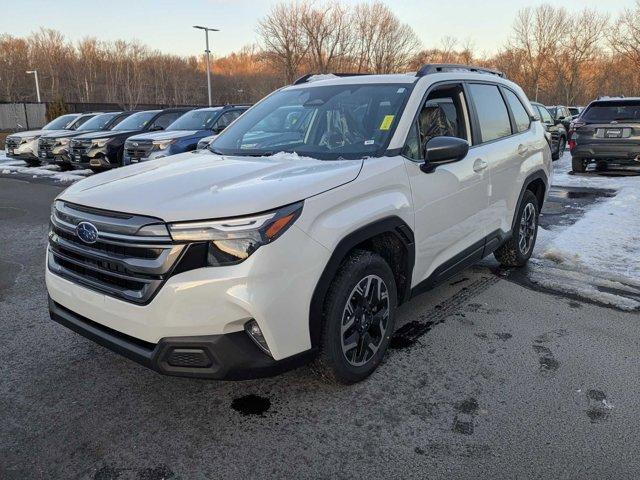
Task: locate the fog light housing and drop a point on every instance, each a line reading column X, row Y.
column 253, row 330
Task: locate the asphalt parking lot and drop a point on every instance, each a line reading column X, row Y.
column 489, row 377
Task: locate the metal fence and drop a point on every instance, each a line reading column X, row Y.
column 30, row 116
column 22, row 116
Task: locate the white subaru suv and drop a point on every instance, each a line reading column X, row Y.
column 303, row 226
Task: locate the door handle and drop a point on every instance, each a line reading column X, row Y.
column 522, row 150
column 479, row 165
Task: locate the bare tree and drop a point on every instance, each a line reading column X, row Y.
column 280, row 32
column 625, row 37
column 537, row 35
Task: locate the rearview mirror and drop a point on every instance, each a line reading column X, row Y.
column 442, row 150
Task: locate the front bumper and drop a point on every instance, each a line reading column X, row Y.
column 24, row 151
column 232, row 356
column 274, row 286
column 91, row 158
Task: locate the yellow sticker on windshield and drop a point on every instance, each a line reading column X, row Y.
column 386, row 122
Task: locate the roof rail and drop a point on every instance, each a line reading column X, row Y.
column 309, row 76
column 430, row 68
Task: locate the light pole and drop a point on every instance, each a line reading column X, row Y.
column 208, row 52
column 35, row 73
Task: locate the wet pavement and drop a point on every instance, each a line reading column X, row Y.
column 485, row 378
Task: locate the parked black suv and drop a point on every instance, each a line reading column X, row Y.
column 103, row 150
column 607, row 133
column 555, row 128
column 54, row 147
column 561, row 114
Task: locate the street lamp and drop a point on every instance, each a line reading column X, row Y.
column 35, row 73
column 208, row 52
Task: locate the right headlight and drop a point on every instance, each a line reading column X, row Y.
column 233, row 240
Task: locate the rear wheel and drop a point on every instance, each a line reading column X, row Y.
column 359, row 317
column 578, row 165
column 518, row 249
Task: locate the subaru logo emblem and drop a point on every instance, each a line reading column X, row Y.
column 87, row 232
column 135, row 144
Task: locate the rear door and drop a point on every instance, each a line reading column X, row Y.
column 504, row 143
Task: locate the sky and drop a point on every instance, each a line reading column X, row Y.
column 166, row 24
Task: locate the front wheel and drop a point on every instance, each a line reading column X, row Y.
column 359, row 317
column 518, row 249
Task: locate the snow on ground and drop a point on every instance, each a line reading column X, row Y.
column 598, row 257
column 11, row 167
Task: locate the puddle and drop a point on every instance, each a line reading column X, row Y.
column 251, row 405
column 408, row 334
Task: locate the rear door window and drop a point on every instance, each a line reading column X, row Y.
column 520, row 114
column 491, row 110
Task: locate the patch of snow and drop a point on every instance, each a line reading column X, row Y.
column 50, row 171
column 598, row 257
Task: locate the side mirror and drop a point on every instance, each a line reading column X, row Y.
column 155, row 128
column 442, row 150
column 218, row 130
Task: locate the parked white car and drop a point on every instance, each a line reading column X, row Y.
column 296, row 240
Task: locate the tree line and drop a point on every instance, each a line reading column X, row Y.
column 556, row 56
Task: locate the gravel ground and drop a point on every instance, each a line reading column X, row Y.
column 487, row 378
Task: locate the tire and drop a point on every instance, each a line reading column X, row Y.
column 32, row 163
column 578, row 165
column 518, row 249
column 562, row 146
column 360, row 273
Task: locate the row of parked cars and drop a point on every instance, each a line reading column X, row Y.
column 104, row 140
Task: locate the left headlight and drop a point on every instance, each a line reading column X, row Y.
column 162, row 144
column 233, row 240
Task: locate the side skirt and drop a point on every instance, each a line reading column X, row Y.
column 464, row 259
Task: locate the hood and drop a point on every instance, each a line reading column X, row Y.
column 36, row 133
column 169, row 135
column 108, row 134
column 202, row 186
column 65, row 133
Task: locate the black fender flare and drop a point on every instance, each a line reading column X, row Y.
column 537, row 175
column 392, row 224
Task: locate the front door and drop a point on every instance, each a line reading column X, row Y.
column 451, row 202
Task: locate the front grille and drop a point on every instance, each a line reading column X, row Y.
column 12, row 142
column 78, row 148
column 122, row 263
column 45, row 146
column 141, row 150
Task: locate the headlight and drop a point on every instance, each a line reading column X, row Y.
column 100, row 142
column 233, row 240
column 162, row 144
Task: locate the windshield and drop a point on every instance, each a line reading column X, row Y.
column 137, row 121
column 61, row 122
column 325, row 122
column 612, row 112
column 553, row 110
column 98, row 122
column 195, row 120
